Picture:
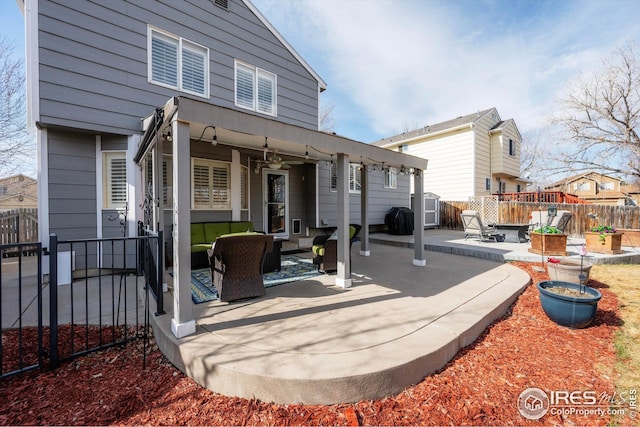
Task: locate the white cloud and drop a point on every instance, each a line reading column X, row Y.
column 389, row 64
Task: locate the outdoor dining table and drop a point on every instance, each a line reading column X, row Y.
column 514, row 233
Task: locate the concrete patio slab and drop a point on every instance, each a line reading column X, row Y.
column 311, row 342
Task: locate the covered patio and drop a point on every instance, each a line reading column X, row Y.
column 313, row 342
column 183, row 120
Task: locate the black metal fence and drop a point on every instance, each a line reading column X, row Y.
column 93, row 295
column 21, row 335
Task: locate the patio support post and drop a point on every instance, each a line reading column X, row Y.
column 364, row 211
column 343, row 277
column 418, row 219
column 183, row 323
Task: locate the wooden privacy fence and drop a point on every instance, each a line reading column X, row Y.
column 18, row 226
column 519, row 213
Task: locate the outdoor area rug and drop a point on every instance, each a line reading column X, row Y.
column 293, row 268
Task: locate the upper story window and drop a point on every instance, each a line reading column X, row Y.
column 581, row 186
column 487, row 184
column 403, row 148
column 607, row 185
column 178, row 63
column 355, row 178
column 391, row 178
column 256, row 89
column 512, row 147
column 518, row 188
column 115, row 179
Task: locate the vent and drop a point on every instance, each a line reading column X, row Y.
column 222, row 3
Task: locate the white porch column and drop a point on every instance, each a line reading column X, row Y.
column 418, row 219
column 343, row 278
column 236, row 204
column 364, row 211
column 183, row 323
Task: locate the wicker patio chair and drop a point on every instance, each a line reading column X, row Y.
column 325, row 249
column 236, row 265
column 473, row 227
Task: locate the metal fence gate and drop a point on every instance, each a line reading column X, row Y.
column 94, row 296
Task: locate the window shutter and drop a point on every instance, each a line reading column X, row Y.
column 117, row 181
column 193, row 70
column 164, row 60
column 334, row 177
column 244, row 87
column 220, row 186
column 201, row 197
column 265, row 93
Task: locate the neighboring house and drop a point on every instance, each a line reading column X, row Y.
column 633, row 191
column 18, row 192
column 213, row 96
column 473, row 155
column 594, row 187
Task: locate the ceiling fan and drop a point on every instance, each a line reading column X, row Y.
column 274, row 161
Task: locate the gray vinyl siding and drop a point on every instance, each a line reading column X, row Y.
column 93, row 61
column 380, row 199
column 72, row 189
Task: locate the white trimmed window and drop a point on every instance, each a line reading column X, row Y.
column 178, row 63
column 606, row 185
column 210, row 184
column 167, row 178
column 355, row 178
column 512, row 147
column 581, row 186
column 487, row 184
column 391, row 178
column 114, row 179
column 255, row 89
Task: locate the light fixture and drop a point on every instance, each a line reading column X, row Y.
column 167, row 136
column 306, row 153
column 214, row 140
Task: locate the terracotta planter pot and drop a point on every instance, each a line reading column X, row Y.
column 548, row 244
column 569, row 270
column 630, row 237
column 610, row 245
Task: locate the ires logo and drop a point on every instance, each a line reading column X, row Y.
column 575, row 398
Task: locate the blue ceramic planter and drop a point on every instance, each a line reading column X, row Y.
column 566, row 310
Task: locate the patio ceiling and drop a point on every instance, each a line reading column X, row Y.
column 245, row 130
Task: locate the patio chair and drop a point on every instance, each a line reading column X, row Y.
column 236, row 265
column 325, row 249
column 541, row 218
column 473, row 227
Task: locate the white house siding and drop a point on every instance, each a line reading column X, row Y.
column 483, row 160
column 449, row 173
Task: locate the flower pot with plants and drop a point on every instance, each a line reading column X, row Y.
column 603, row 239
column 548, row 240
column 569, row 304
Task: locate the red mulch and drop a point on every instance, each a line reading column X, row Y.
column 480, row 386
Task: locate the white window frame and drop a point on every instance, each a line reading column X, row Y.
column 182, row 45
column 223, row 202
column 256, row 75
column 391, row 178
column 107, row 179
column 512, row 147
column 582, row 186
column 487, row 184
column 607, row 185
column 355, row 178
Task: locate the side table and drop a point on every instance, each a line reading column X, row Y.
column 272, row 260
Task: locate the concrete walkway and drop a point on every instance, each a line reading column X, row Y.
column 311, row 342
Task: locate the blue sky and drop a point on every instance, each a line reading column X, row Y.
column 401, row 64
column 392, row 65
